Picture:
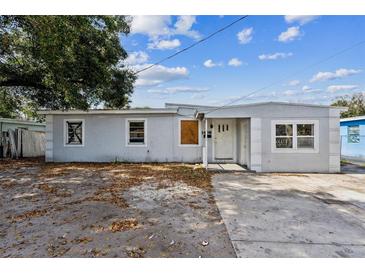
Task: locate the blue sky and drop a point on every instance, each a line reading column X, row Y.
column 250, row 55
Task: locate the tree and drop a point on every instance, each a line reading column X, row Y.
column 63, row 62
column 355, row 104
column 9, row 105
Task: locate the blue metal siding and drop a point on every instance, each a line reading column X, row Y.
column 354, row 151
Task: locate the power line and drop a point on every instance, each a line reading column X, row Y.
column 192, row 45
column 290, row 75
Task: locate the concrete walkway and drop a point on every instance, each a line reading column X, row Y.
column 293, row 215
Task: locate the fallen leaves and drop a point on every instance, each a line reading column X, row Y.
column 29, row 214
column 123, row 225
column 82, row 240
column 110, row 195
column 7, row 183
column 136, row 252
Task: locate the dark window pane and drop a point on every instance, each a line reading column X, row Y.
column 136, row 132
column 284, row 142
column 305, row 142
column 284, row 130
column 305, row 129
column 74, row 133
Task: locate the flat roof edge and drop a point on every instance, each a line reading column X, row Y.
column 356, row 118
column 16, row 121
column 109, row 111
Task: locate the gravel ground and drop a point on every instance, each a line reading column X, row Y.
column 108, row 210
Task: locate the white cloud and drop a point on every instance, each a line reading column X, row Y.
column 290, row 34
column 294, row 83
column 245, row 35
column 151, row 25
column 136, row 57
column 156, row 26
column 159, row 74
column 198, row 96
column 308, row 89
column 183, row 26
column 175, row 90
column 235, row 62
column 340, row 73
column 336, row 88
column 300, row 19
column 164, row 44
column 289, row 92
column 210, row 64
column 275, row 56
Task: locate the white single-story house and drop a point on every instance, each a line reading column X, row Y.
column 265, row 137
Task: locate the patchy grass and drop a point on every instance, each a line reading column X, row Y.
column 345, row 162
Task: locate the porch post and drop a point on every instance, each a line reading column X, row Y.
column 205, row 148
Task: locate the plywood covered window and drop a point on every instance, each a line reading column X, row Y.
column 189, row 132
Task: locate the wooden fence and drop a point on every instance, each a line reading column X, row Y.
column 22, row 143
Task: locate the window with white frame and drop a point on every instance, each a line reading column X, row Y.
column 353, row 134
column 284, row 135
column 136, row 132
column 295, row 136
column 74, row 132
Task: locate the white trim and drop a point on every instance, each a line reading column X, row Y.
column 127, row 120
column 295, row 149
column 255, row 159
column 65, row 132
column 49, row 139
column 199, row 132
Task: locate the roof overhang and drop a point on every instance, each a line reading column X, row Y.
column 356, row 118
column 109, row 111
column 23, row 122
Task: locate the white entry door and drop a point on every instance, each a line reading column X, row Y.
column 223, row 139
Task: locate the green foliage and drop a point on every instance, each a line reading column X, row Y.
column 63, row 62
column 9, row 105
column 355, row 104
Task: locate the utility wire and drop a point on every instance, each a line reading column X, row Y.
column 290, row 75
column 192, row 45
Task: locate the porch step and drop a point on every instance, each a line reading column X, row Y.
column 227, row 168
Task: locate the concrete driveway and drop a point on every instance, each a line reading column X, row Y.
column 293, row 215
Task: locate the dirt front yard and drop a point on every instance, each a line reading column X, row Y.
column 109, row 210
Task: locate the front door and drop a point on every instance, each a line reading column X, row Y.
column 223, row 139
